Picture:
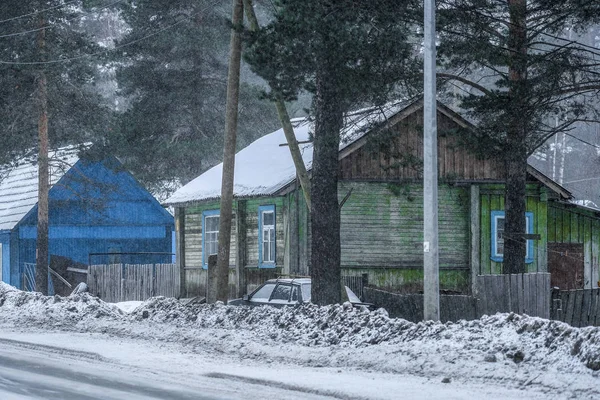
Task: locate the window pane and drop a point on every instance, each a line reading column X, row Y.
column 211, row 223
column 282, row 292
column 264, row 293
column 272, row 246
column 500, row 236
column 268, row 218
column 265, row 251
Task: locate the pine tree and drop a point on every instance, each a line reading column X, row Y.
column 76, row 112
column 345, row 53
column 534, row 77
column 46, row 78
column 175, row 77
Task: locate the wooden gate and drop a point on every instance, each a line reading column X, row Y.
column 519, row 293
column 126, row 282
column 566, row 265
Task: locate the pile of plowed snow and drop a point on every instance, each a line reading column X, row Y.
column 514, row 337
column 521, row 339
column 32, row 308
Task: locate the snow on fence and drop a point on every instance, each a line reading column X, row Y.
column 127, row 282
column 579, row 307
column 519, row 293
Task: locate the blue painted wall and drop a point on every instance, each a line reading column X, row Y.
column 96, row 207
column 5, row 240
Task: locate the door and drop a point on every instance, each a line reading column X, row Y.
column 566, row 264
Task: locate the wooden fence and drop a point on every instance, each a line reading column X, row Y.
column 579, row 307
column 519, row 293
column 127, row 282
column 410, row 306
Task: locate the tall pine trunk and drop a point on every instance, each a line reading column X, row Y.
column 284, row 118
column 325, row 268
column 516, row 150
column 231, row 116
column 41, row 259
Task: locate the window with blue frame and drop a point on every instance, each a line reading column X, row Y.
column 266, row 234
column 498, row 236
column 210, row 235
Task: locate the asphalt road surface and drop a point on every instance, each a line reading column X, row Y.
column 30, row 371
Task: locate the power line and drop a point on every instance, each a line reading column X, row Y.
column 69, row 59
column 50, row 26
column 581, row 140
column 40, row 11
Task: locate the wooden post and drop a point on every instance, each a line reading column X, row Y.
column 180, row 248
column 475, row 238
column 211, row 276
column 240, row 261
column 41, row 256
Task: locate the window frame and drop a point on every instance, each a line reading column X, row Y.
column 497, row 257
column 205, row 214
column 261, row 262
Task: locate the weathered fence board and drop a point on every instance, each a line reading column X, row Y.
column 520, row 293
column 127, row 282
column 580, row 307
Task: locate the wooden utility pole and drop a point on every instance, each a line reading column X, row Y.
column 231, row 115
column 431, row 280
column 284, row 118
column 41, row 259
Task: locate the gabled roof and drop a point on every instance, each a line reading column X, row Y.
column 265, row 167
column 19, row 183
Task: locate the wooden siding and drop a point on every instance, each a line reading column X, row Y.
column 193, row 235
column 569, row 224
column 403, row 154
column 195, row 275
column 382, row 226
column 492, row 199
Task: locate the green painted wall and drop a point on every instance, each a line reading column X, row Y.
column 492, row 199
column 382, row 234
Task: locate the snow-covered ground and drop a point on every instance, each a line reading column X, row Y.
column 336, row 351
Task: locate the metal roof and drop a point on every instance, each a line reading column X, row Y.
column 19, row 183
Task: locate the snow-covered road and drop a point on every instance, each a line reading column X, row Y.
column 58, row 365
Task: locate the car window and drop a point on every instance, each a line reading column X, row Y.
column 264, row 293
column 306, row 292
column 281, row 293
column 294, row 298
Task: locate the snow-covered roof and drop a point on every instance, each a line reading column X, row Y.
column 19, row 183
column 265, row 167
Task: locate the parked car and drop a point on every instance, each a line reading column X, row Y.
column 286, row 292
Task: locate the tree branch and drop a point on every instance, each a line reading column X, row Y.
column 465, row 81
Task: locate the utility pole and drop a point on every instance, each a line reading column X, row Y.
column 431, row 268
column 41, row 254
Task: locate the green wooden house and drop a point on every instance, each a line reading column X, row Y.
column 382, row 219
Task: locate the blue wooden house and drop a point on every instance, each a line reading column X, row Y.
column 95, row 206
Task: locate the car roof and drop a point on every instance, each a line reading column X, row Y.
column 300, row 281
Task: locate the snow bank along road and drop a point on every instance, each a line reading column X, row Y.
column 81, row 347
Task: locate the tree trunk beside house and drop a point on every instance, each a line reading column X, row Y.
column 231, row 114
